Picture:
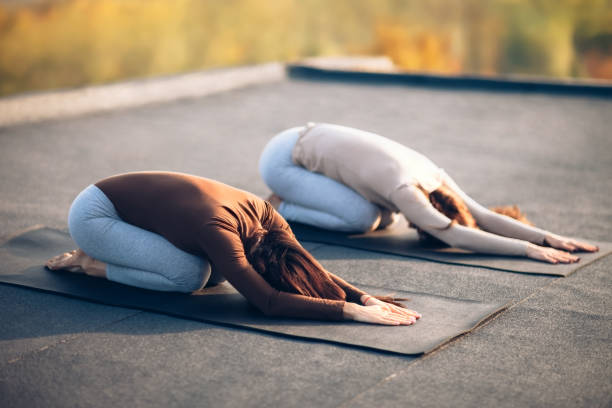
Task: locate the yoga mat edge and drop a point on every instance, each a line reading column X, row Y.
column 27, row 251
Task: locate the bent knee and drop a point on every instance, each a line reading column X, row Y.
column 84, row 232
column 269, row 171
column 276, row 157
column 363, row 218
column 192, row 279
column 277, row 173
column 91, row 214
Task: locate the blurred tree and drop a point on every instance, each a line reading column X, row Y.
column 64, row 43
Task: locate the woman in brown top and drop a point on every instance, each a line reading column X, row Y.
column 177, row 232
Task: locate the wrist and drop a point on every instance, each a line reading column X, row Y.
column 349, row 310
column 531, row 248
column 364, row 299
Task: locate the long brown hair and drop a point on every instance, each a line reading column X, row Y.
column 450, row 204
column 280, row 259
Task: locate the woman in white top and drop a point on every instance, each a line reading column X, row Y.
column 345, row 179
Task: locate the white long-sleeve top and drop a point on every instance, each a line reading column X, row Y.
column 392, row 175
column 370, row 164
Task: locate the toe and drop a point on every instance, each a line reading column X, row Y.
column 53, row 261
column 63, row 259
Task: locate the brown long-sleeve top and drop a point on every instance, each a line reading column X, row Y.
column 211, row 219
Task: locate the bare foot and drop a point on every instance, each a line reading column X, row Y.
column 274, row 200
column 69, row 261
column 77, row 261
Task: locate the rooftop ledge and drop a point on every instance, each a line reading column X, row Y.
column 380, row 70
column 38, row 106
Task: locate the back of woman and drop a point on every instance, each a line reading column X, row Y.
column 370, row 164
column 178, row 206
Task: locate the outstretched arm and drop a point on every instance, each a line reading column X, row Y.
column 360, row 306
column 419, row 211
column 226, row 254
column 509, row 227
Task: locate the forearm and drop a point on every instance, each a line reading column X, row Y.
column 417, row 209
column 283, row 304
column 509, row 227
column 497, row 223
column 476, row 240
column 353, row 294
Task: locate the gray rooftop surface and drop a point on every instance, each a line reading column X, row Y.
column 548, row 153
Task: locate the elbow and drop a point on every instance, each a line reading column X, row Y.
column 454, row 240
column 448, row 239
column 268, row 311
column 484, row 221
column 270, row 306
column 265, row 309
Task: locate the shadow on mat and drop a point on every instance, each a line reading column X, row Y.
column 444, row 318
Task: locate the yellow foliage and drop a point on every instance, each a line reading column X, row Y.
column 417, row 50
column 75, row 42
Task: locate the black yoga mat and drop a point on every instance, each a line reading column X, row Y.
column 401, row 240
column 22, row 257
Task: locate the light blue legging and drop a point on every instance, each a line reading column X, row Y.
column 309, row 197
column 134, row 256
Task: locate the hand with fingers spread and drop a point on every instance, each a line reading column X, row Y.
column 550, row 255
column 368, row 300
column 378, row 312
column 569, row 244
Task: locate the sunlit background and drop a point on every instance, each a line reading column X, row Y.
column 67, row 43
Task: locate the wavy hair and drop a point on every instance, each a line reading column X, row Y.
column 280, row 259
column 450, row 204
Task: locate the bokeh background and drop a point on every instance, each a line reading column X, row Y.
column 47, row 44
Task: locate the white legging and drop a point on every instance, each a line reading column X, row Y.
column 312, row 198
